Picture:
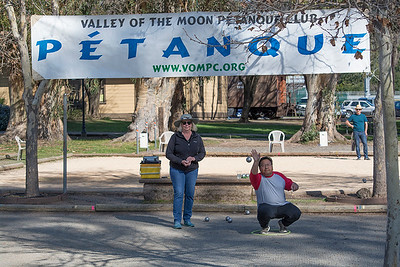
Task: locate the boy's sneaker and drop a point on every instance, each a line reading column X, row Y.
column 282, row 228
column 265, row 230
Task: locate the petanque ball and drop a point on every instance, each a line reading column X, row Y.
column 364, row 180
column 206, row 219
column 247, row 212
column 248, row 159
column 229, row 220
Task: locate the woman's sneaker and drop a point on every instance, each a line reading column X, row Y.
column 265, row 230
column 282, row 228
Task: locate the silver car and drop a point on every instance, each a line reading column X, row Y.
column 348, row 107
column 301, row 106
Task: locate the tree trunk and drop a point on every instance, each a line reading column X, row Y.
column 92, row 89
column 320, row 111
column 326, row 117
column 250, row 85
column 50, row 126
column 379, row 176
column 178, row 104
column 152, row 94
column 385, row 47
column 32, row 98
column 222, row 82
column 94, row 103
column 310, row 117
column 32, row 173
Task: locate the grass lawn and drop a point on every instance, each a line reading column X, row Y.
column 75, row 145
column 207, row 127
column 251, row 128
column 116, row 126
column 102, row 145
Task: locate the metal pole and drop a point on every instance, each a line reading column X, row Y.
column 155, row 134
column 147, row 133
column 65, row 134
column 137, row 139
column 83, row 133
column 367, row 87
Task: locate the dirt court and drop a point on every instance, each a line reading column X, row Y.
column 123, row 173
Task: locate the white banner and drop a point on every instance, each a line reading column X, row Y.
column 196, row 44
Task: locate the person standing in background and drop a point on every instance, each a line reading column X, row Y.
column 360, row 131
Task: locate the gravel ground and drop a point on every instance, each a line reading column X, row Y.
column 246, row 145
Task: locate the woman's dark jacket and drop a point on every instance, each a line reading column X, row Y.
column 179, row 149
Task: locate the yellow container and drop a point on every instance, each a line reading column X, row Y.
column 151, row 171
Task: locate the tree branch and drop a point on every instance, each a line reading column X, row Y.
column 24, row 26
column 40, row 91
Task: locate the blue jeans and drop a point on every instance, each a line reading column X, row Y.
column 184, row 184
column 363, row 137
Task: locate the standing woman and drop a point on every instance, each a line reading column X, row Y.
column 185, row 150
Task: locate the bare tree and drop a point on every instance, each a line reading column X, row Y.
column 32, row 95
column 154, row 97
column 308, row 130
column 158, row 99
column 250, row 85
column 320, row 110
column 10, row 63
column 326, row 119
column 385, row 37
column 384, row 18
column 92, row 89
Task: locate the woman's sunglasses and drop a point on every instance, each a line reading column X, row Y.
column 186, row 122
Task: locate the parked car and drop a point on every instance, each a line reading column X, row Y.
column 397, row 108
column 301, row 106
column 348, row 107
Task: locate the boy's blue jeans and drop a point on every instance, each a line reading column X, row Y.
column 184, row 185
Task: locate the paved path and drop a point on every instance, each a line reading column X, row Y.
column 147, row 239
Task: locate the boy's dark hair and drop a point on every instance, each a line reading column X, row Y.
column 265, row 157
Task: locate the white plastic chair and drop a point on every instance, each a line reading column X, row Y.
column 276, row 137
column 21, row 147
column 164, row 139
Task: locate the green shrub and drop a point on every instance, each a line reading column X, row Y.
column 309, row 135
column 4, row 117
column 74, row 114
